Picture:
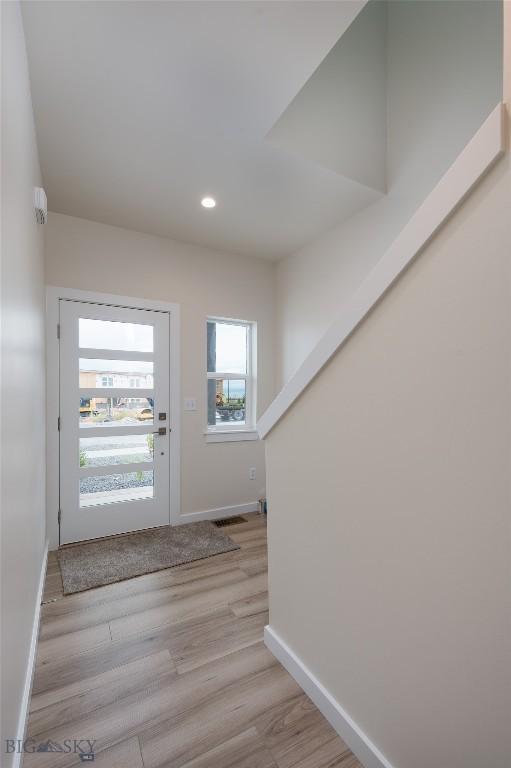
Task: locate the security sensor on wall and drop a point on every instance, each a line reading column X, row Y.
column 40, row 205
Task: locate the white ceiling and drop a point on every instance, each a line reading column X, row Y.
column 142, row 108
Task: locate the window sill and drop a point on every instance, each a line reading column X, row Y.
column 232, row 436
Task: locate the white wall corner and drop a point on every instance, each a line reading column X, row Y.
column 478, row 156
column 351, row 733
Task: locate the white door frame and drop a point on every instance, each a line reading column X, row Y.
column 53, row 296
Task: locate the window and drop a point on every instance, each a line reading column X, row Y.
column 230, row 376
column 107, row 381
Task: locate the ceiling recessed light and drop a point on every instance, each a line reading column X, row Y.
column 208, row 202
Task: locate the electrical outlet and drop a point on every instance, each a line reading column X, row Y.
column 190, row 404
column 252, row 473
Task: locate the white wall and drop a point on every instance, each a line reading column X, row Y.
column 91, row 256
column 23, row 379
column 338, row 119
column 389, row 528
column 443, row 79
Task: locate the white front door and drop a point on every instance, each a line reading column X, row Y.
column 114, row 420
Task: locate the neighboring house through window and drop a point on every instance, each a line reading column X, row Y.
column 231, row 366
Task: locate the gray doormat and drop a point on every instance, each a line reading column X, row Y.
column 97, row 563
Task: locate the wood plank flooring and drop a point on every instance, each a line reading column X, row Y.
column 169, row 670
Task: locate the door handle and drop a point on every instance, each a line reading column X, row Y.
column 162, row 431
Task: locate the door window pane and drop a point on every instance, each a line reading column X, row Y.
column 105, row 489
column 124, row 337
column 123, row 449
column 115, row 411
column 227, row 347
column 226, row 402
column 125, row 374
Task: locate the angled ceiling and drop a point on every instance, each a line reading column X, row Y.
column 142, row 108
column 339, row 118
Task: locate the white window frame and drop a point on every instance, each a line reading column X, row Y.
column 232, row 431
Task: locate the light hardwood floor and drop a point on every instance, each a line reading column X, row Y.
column 169, row 670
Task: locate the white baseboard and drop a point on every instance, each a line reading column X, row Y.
column 220, row 512
column 359, row 743
column 29, row 675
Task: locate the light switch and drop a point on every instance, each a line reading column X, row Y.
column 190, row 404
